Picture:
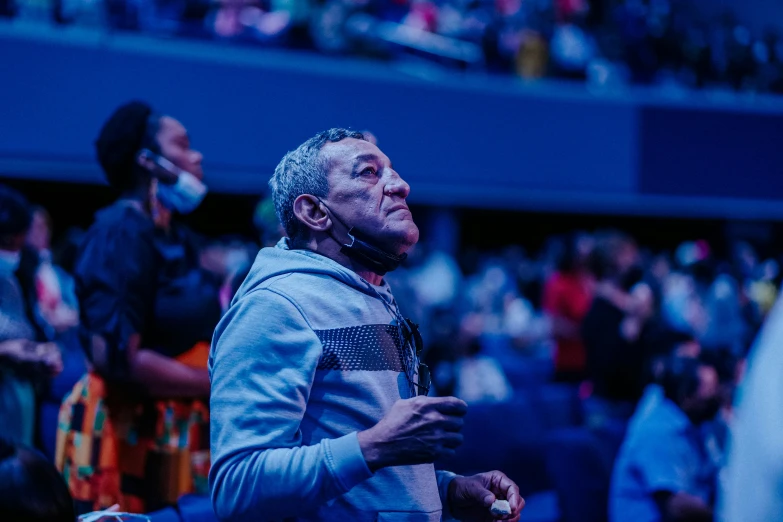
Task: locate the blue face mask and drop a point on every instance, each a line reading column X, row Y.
column 184, row 195
column 9, row 261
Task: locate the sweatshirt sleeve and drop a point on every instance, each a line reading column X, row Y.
column 262, row 366
column 444, row 479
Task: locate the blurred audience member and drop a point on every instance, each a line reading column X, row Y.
column 268, row 226
column 150, row 310
column 613, row 330
column 608, row 44
column 53, row 291
column 478, row 377
column 24, row 363
column 717, row 433
column 248, row 20
column 663, row 471
column 436, row 279
column 568, row 296
column 31, row 489
column 270, row 232
column 725, row 326
column 53, row 311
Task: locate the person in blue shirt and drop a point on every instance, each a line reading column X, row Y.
column 663, row 471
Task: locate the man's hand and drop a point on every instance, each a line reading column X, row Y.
column 51, row 357
column 471, row 497
column 24, row 351
column 415, row 431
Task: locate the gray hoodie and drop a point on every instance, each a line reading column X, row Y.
column 307, row 356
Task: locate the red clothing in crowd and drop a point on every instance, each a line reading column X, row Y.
column 568, row 296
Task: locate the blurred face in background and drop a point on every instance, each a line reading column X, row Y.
column 40, row 236
column 628, row 263
column 705, row 404
column 627, row 258
column 583, row 247
column 660, row 269
column 174, row 145
column 690, row 348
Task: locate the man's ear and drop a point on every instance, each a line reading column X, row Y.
column 307, row 209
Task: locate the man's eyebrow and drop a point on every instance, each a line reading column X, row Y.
column 366, row 158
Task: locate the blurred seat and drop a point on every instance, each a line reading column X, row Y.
column 523, row 371
column 557, row 405
column 541, row 507
column 164, row 515
column 195, row 508
column 506, row 436
column 190, row 508
column 580, row 475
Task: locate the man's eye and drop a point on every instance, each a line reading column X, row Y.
column 369, row 171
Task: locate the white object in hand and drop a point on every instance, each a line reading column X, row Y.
column 500, row 507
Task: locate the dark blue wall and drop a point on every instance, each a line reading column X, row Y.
column 490, row 142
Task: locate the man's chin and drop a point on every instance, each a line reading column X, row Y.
column 403, row 240
column 410, row 238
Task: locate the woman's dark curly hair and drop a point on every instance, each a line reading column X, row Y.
column 31, row 488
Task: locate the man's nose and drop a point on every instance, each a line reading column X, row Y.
column 196, row 157
column 397, row 186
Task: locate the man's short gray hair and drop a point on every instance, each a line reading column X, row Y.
column 303, row 171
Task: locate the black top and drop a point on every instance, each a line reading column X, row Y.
column 132, row 277
column 617, row 367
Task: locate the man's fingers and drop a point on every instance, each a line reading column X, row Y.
column 449, row 405
column 451, row 423
column 446, row 452
column 506, row 487
column 452, row 440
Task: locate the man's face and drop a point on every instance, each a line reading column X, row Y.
column 175, row 147
column 366, row 192
column 706, row 402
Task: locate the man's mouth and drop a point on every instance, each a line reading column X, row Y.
column 398, row 207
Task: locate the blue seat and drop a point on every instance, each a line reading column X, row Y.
column 505, row 436
column 190, row 508
column 541, row 507
column 558, row 405
column 580, row 474
column 195, row 508
column 164, row 515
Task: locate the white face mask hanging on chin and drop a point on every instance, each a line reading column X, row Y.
column 182, row 196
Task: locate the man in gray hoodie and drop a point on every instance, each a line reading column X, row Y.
column 319, row 406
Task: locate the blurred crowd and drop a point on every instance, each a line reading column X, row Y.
column 595, row 313
column 607, row 43
column 594, row 368
column 562, row 301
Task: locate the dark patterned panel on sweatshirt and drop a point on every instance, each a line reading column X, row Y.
column 371, row 347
